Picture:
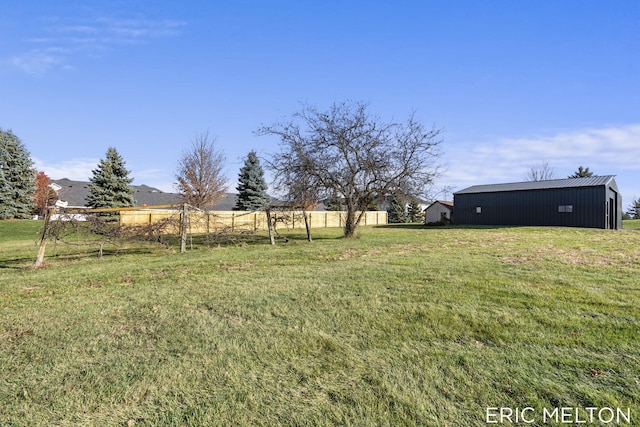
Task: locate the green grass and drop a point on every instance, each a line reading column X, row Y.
column 632, row 223
column 404, row 325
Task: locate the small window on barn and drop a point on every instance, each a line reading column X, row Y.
column 565, row 208
column 478, row 209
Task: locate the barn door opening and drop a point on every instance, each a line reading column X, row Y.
column 612, row 214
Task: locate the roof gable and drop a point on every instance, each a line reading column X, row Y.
column 446, row 204
column 593, row 181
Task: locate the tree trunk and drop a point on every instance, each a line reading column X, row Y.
column 350, row 222
column 306, row 224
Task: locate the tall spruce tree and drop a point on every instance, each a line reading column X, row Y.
column 414, row 213
column 109, row 187
column 397, row 211
column 252, row 188
column 17, row 178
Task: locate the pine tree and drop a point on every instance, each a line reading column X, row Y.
column 634, row 209
column 581, row 173
column 334, row 203
column 17, row 176
column 414, row 213
column 252, row 188
column 109, row 187
column 397, row 211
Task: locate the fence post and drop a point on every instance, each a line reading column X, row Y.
column 183, row 229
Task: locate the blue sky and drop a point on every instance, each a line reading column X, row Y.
column 513, row 83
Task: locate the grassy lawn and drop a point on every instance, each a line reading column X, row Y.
column 404, row 325
column 633, row 223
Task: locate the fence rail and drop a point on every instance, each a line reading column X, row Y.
column 206, row 222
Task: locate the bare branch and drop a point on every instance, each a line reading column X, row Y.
column 348, row 152
column 200, row 178
column 540, row 172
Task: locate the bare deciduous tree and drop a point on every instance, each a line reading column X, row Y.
column 348, row 152
column 200, row 178
column 540, row 172
column 303, row 194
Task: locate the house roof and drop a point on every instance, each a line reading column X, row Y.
column 445, row 203
column 592, row 181
column 76, row 193
column 73, row 192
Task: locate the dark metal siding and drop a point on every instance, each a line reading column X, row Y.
column 613, row 197
column 537, row 207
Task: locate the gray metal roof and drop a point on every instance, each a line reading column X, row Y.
column 76, row 193
column 592, row 181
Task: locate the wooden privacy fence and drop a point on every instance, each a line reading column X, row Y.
column 207, row 222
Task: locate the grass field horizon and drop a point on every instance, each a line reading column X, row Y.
column 403, row 325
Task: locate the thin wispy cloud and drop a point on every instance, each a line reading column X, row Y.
column 140, row 29
column 79, row 169
column 38, row 61
column 606, row 151
column 62, row 41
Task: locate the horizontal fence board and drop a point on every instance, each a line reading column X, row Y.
column 212, row 221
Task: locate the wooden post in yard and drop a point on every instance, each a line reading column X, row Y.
column 45, row 232
column 183, row 229
column 271, row 238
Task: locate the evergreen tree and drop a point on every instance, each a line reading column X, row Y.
column 109, row 187
column 414, row 213
column 397, row 211
column 17, row 177
column 334, row 203
column 372, row 204
column 634, row 209
column 581, row 173
column 252, row 188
